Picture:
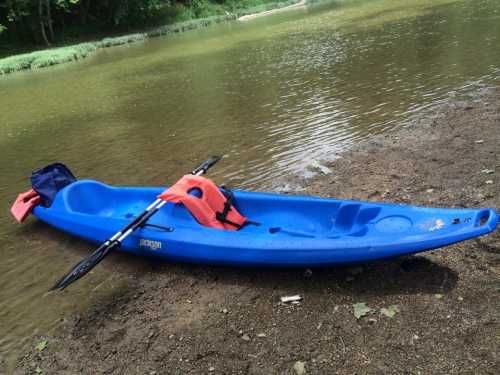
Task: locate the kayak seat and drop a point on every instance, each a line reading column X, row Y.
column 346, row 217
column 88, row 197
column 295, row 218
column 95, row 198
column 352, row 220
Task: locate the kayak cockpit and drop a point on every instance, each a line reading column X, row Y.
column 281, row 216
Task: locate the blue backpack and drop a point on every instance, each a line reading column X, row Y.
column 47, row 181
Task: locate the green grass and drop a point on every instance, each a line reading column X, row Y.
column 184, row 19
column 41, row 59
column 120, row 40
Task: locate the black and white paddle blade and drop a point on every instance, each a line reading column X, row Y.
column 206, row 165
column 85, row 265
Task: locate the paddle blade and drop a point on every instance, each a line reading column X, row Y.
column 206, row 165
column 85, row 265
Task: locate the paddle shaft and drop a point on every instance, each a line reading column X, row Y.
column 153, row 208
column 141, row 219
column 85, row 265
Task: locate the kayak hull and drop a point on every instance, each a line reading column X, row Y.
column 294, row 230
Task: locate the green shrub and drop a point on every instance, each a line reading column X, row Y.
column 116, row 41
column 15, row 63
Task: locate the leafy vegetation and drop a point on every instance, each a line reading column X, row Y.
column 35, row 24
column 41, row 345
column 47, row 22
column 361, row 309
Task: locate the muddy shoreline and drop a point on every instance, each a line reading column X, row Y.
column 188, row 319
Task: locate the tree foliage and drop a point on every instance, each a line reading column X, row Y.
column 52, row 21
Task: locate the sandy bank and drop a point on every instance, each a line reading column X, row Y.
column 249, row 17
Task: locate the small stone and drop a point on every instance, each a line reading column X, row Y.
column 438, row 296
column 224, row 311
column 245, row 337
column 488, row 171
column 299, row 368
column 413, row 339
column 356, row 270
column 308, row 272
column 189, row 301
column 480, row 141
column 325, row 170
column 261, row 335
column 171, row 337
column 460, row 298
column 489, row 182
column 211, row 369
column 430, row 190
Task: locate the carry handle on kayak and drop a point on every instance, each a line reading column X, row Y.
column 113, row 243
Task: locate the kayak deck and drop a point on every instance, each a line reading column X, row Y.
column 293, row 230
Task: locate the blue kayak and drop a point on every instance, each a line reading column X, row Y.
column 293, row 230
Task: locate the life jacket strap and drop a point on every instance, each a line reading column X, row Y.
column 228, row 205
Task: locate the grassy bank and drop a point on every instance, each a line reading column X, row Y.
column 53, row 56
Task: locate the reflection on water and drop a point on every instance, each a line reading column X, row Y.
column 272, row 95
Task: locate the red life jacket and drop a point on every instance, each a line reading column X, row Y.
column 212, row 209
column 24, row 204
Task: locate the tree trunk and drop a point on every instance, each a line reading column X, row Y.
column 128, row 16
column 84, row 11
column 63, row 22
column 49, row 20
column 42, row 24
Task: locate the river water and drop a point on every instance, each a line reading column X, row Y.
column 273, row 95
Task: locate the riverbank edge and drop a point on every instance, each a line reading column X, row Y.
column 210, row 309
column 60, row 55
column 252, row 16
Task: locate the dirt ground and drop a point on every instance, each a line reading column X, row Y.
column 188, row 319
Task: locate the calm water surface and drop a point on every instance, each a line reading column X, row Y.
column 272, row 95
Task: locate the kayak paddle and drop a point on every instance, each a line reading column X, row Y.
column 85, row 265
